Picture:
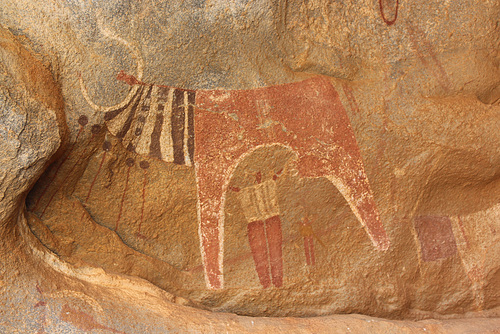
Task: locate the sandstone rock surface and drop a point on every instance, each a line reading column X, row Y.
column 173, row 166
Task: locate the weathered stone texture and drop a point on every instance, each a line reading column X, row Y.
column 162, row 160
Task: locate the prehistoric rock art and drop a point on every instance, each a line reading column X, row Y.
column 169, row 123
column 436, row 237
column 383, row 4
column 269, row 159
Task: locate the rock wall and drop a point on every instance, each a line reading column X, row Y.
column 161, row 160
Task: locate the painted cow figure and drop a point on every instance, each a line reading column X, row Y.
column 215, row 129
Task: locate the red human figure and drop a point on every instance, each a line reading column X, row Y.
column 257, row 240
column 264, row 229
column 274, row 242
column 307, row 232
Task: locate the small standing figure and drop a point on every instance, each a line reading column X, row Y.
column 307, row 232
column 261, row 210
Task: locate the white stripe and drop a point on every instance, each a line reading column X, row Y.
column 147, row 130
column 130, row 136
column 166, row 143
column 114, row 125
column 261, row 199
column 259, row 202
column 187, row 160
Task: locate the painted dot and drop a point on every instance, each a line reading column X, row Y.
column 106, row 146
column 108, row 116
column 131, row 148
column 144, row 164
column 96, row 128
column 138, row 131
column 129, row 162
column 83, row 120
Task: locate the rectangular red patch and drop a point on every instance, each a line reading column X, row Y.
column 436, row 237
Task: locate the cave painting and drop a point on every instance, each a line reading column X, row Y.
column 308, row 234
column 394, row 4
column 436, row 238
column 215, row 129
column 260, row 207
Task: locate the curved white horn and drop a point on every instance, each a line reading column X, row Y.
column 140, row 70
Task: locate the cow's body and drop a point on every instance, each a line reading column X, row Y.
column 216, row 129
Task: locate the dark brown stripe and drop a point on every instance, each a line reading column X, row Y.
column 148, row 95
column 190, row 143
column 141, row 120
column 108, row 116
column 126, row 126
column 131, row 148
column 162, row 93
column 178, row 126
column 154, row 146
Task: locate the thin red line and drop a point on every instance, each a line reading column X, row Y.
column 143, row 200
column 93, row 181
column 44, row 310
column 95, row 177
column 131, row 81
column 388, row 22
column 64, row 181
column 57, row 170
column 123, row 199
column 350, row 98
column 436, row 68
column 461, row 225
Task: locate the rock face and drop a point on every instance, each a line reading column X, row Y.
column 264, row 159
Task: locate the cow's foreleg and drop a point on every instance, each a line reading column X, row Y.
column 345, row 170
column 211, row 183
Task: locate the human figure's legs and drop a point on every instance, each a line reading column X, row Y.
column 274, row 241
column 258, row 246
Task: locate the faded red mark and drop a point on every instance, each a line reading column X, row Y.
column 106, row 146
column 144, row 165
column 128, row 79
column 130, row 163
column 309, row 251
column 322, row 137
column 476, row 273
column 350, row 98
column 436, row 237
column 83, row 120
column 95, row 130
column 428, row 57
column 41, row 303
column 462, row 229
column 382, row 12
column 307, row 232
column 82, row 320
